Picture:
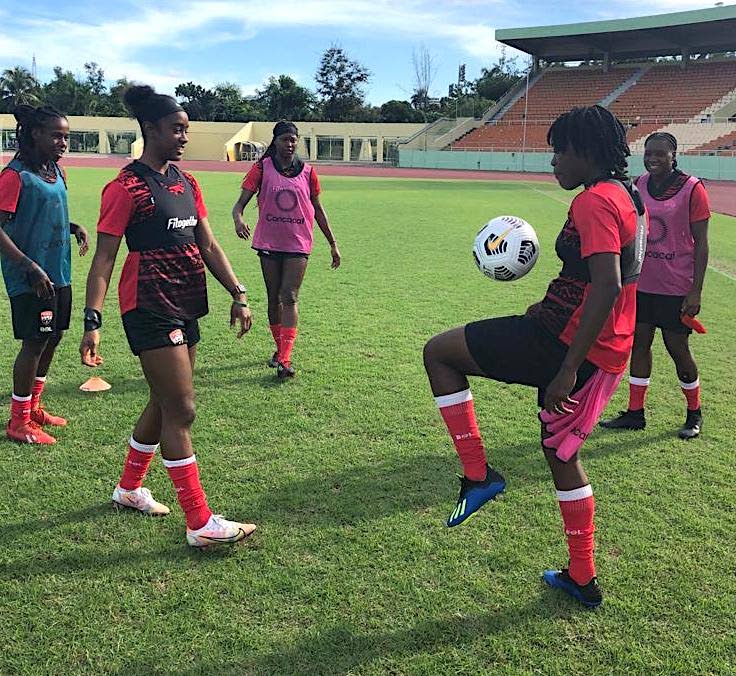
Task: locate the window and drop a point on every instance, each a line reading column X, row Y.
column 84, row 142
column 120, row 141
column 330, row 147
column 7, row 140
column 363, row 149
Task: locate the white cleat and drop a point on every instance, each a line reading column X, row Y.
column 219, row 531
column 140, row 499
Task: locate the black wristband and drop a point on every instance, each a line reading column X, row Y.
column 92, row 319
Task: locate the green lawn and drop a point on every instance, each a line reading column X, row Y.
column 349, row 474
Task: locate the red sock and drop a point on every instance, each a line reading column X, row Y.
column 288, row 336
column 276, row 333
column 37, row 391
column 184, row 475
column 578, row 507
column 136, row 464
column 20, row 410
column 692, row 394
column 458, row 412
column 637, row 392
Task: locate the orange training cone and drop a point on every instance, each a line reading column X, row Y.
column 95, row 384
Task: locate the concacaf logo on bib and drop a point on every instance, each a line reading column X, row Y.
column 45, row 318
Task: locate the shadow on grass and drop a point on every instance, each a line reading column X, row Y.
column 173, row 551
column 344, row 649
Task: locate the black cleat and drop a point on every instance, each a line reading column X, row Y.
column 626, row 420
column 588, row 594
column 284, row 371
column 693, row 423
column 273, row 362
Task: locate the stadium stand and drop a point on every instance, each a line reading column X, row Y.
column 695, row 99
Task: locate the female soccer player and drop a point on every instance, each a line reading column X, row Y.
column 288, row 204
column 160, row 212
column 671, row 280
column 572, row 346
column 36, row 260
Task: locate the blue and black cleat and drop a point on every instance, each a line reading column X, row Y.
column 589, row 594
column 475, row 494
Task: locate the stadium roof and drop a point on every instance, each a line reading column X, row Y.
column 701, row 31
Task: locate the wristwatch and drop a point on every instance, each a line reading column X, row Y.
column 237, row 290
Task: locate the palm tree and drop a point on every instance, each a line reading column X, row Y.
column 18, row 86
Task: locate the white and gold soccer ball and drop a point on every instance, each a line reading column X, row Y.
column 506, row 248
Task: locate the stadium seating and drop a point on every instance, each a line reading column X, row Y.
column 727, row 143
column 659, row 95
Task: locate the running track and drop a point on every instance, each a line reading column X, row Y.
column 722, row 193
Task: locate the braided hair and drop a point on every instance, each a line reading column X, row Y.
column 670, row 140
column 595, row 133
column 27, row 119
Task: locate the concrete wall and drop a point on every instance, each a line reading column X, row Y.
column 208, row 140
column 705, row 166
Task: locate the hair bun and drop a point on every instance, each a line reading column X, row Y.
column 136, row 96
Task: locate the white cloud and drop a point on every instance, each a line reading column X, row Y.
column 116, row 44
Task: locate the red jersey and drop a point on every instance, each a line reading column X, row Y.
column 157, row 214
column 602, row 219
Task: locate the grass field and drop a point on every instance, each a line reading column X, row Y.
column 349, row 474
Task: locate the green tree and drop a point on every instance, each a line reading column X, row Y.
column 399, row 111
column 65, row 93
column 114, row 100
column 495, row 81
column 18, row 86
column 339, row 85
column 200, row 103
column 283, row 99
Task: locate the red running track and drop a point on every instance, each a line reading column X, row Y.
column 722, row 193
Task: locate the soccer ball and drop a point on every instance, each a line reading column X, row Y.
column 506, row 248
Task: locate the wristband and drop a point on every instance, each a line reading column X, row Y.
column 240, row 303
column 92, row 319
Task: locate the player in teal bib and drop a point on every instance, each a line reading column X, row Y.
column 35, row 244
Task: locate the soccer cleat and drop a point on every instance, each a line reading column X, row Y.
column 219, row 531
column 284, row 371
column 273, row 362
column 589, row 594
column 140, row 499
column 42, row 417
column 693, row 423
column 475, row 494
column 28, row 433
column 626, row 420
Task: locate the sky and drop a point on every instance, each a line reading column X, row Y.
column 247, row 41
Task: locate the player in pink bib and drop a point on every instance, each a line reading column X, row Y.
column 288, row 204
column 671, row 280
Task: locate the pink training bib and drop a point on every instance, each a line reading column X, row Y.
column 285, row 211
column 668, row 266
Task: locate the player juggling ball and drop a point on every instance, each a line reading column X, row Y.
column 35, row 243
column 671, row 280
column 572, row 346
column 162, row 292
column 288, row 204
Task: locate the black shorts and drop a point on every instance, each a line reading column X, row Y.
column 37, row 318
column 518, row 350
column 147, row 330
column 661, row 311
column 280, row 255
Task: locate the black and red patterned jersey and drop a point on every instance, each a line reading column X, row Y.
column 602, row 219
column 157, row 214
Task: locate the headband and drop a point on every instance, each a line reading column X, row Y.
column 158, row 106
